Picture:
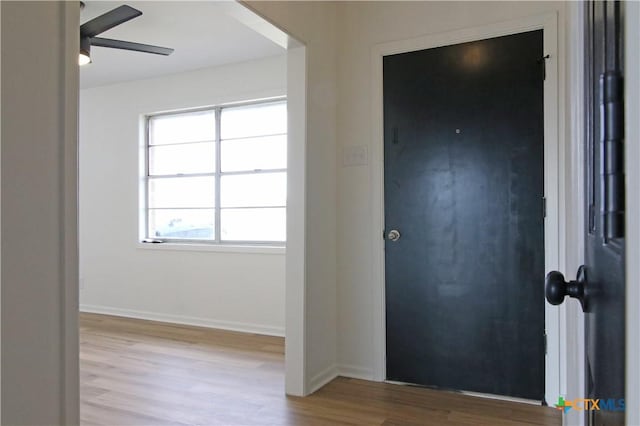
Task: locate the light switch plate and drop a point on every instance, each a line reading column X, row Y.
column 356, row 155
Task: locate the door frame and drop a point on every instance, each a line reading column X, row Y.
column 554, row 178
column 632, row 158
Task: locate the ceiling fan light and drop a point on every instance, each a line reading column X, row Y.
column 84, row 57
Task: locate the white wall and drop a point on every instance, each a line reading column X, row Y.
column 39, row 249
column 234, row 290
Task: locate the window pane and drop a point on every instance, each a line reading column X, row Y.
column 185, row 158
column 253, row 224
column 182, row 192
column 254, row 154
column 180, row 128
column 185, row 224
column 254, row 120
column 254, row 190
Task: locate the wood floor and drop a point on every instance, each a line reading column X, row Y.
column 145, row 373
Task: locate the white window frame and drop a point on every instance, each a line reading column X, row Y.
column 217, row 174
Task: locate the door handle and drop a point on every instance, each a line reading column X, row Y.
column 556, row 288
column 393, row 235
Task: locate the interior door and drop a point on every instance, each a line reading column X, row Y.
column 605, row 252
column 600, row 285
column 463, row 182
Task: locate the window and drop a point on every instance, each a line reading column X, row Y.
column 218, row 175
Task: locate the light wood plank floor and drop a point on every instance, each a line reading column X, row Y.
column 137, row 372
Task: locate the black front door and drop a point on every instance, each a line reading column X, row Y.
column 464, row 180
column 605, row 253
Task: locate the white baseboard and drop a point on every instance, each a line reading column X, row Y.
column 333, row 371
column 322, row 378
column 185, row 320
column 355, row 372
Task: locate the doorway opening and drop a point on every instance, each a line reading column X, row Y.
column 157, row 259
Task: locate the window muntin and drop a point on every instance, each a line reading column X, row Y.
column 222, row 179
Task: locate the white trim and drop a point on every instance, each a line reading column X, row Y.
column 355, row 372
column 342, row 370
column 632, row 146
column 296, row 266
column 554, row 181
column 218, row 248
column 322, row 378
column 572, row 379
column 69, row 91
column 185, row 320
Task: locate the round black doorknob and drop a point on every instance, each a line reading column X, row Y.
column 556, row 288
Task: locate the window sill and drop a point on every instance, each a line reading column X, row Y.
column 216, row 248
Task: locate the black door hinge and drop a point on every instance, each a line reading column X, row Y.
column 543, row 61
column 612, row 148
column 544, row 207
column 545, row 343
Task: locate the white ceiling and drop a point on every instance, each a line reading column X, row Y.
column 201, row 32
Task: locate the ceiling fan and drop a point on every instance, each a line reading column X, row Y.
column 89, row 30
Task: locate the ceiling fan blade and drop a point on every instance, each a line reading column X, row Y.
column 108, row 20
column 128, row 45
